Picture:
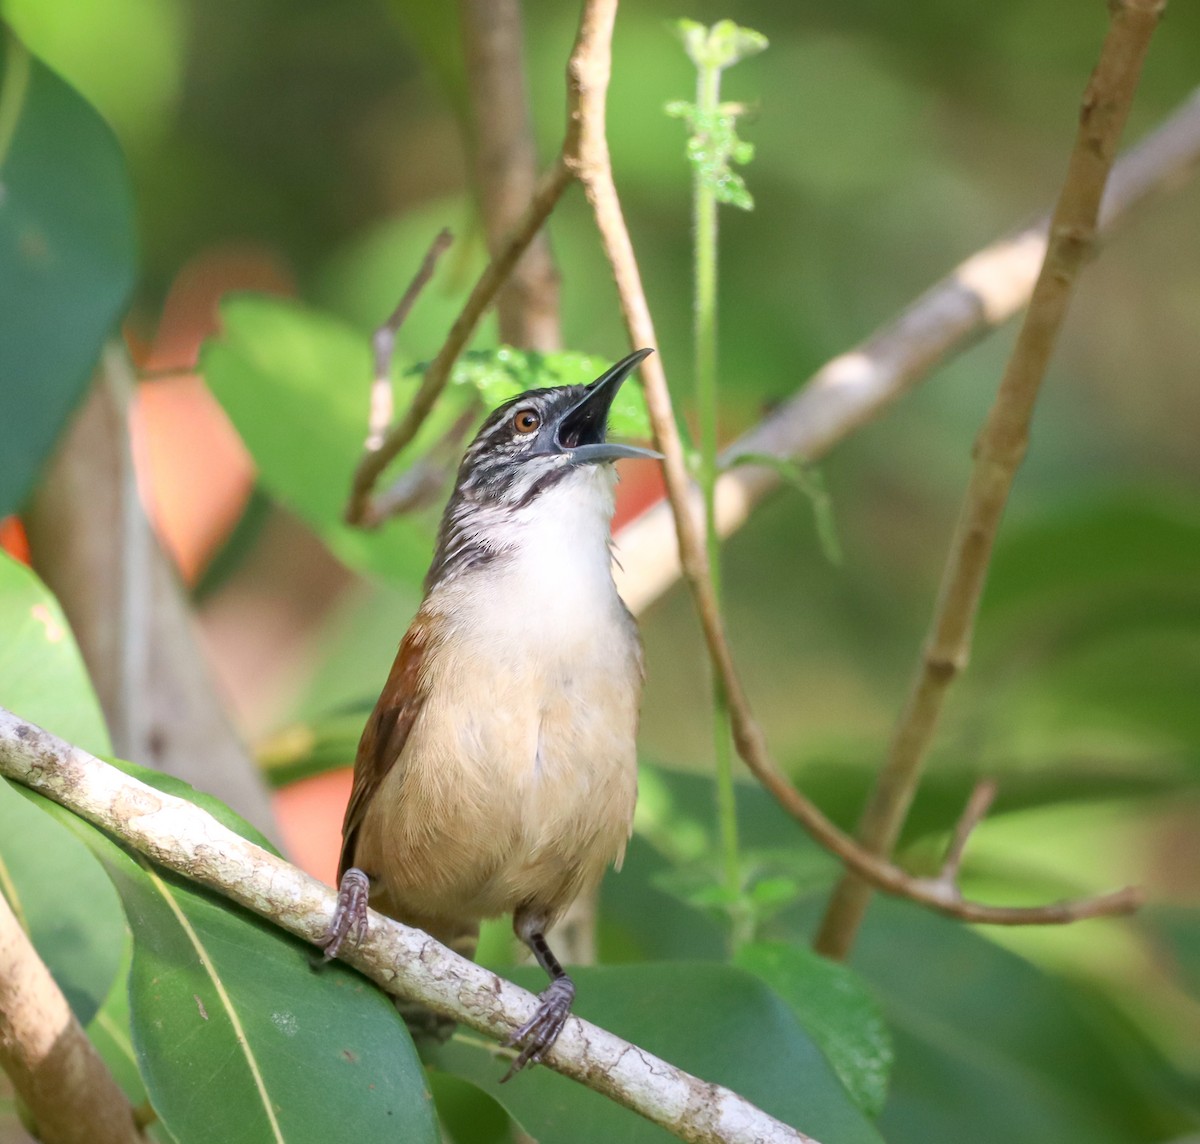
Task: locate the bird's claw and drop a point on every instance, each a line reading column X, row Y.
column 350, row 914
column 542, row 1029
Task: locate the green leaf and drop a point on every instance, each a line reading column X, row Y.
column 1089, row 633
column 987, row 1047
column 222, row 1002
column 66, row 258
column 990, row 1049
column 42, row 677
column 468, row 1115
column 721, row 46
column 63, row 900
column 836, row 1008
column 296, row 385
column 499, row 374
column 717, row 1022
column 1076, row 557
column 1177, row 928
column 840, row 784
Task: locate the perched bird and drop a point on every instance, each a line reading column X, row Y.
column 497, row 772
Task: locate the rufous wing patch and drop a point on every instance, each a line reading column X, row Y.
column 386, row 732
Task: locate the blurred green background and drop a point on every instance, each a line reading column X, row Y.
column 323, row 139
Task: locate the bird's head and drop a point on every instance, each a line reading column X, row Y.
column 540, row 437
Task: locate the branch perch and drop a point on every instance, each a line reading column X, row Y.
column 405, row 962
column 1000, row 450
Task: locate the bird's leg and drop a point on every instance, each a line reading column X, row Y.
column 554, row 1004
column 350, row 914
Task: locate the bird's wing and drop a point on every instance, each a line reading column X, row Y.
column 386, row 732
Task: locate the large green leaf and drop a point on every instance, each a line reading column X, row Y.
column 715, row 1021
column 296, row 385
column 987, row 1046
column 840, row 1013
column 991, row 1049
column 1177, row 930
column 42, row 677
column 238, row 1037
column 1073, row 556
column 66, row 258
column 64, row 901
column 1090, row 633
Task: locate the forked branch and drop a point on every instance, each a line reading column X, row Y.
column 999, row 451
column 589, row 79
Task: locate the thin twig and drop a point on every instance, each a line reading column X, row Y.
column 408, row 963
column 592, row 42
column 384, row 342
column 856, row 386
column 359, row 510
column 999, row 451
column 973, row 814
column 423, row 483
column 44, row 1050
column 588, row 78
column 504, row 161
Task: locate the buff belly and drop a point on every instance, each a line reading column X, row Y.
column 515, row 789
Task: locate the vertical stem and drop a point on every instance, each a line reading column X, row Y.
column 708, row 85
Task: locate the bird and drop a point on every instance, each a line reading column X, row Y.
column 497, row 772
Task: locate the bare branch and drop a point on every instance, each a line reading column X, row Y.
column 853, row 388
column 422, row 483
column 406, row 962
column 384, row 342
column 973, row 814
column 359, row 510
column 1000, row 449
column 45, row 1052
column 588, row 77
column 505, row 167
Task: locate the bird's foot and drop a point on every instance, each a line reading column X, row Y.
column 350, row 914
column 541, row 1031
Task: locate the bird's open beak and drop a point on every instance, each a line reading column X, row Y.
column 583, row 427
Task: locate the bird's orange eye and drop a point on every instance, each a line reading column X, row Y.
column 527, row 421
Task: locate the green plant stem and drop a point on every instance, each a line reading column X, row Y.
column 708, row 87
